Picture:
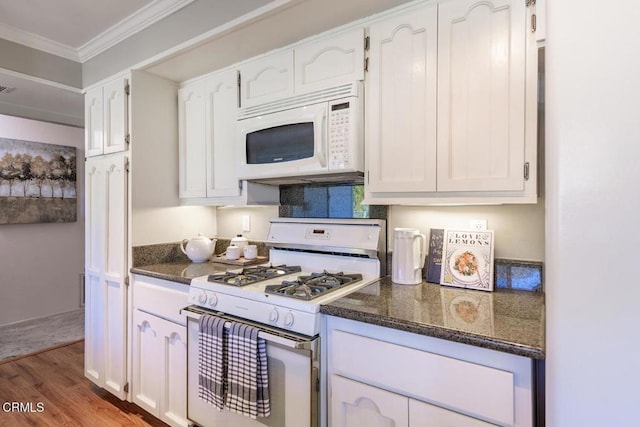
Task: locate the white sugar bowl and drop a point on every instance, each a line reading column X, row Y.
column 198, row 249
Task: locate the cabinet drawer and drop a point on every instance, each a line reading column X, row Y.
column 161, row 298
column 477, row 390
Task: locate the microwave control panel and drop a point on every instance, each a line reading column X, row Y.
column 341, row 133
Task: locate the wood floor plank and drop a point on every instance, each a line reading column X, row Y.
column 51, row 390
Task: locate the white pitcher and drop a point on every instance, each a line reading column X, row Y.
column 409, row 251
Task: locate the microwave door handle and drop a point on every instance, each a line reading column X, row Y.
column 322, row 149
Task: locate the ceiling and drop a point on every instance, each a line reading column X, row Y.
column 73, row 29
column 78, row 30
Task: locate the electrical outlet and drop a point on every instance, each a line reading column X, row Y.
column 246, row 223
column 478, row 224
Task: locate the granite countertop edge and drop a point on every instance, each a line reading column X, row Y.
column 435, row 331
column 158, row 275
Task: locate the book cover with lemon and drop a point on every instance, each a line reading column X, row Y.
column 467, row 259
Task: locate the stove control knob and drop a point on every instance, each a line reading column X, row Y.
column 288, row 319
column 274, row 315
column 213, row 300
column 202, row 298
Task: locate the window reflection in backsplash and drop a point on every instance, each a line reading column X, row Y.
column 327, row 201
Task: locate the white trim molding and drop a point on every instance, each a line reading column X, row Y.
column 138, row 21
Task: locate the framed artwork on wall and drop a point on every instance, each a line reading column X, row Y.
column 37, row 182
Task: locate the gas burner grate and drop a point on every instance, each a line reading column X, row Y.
column 312, row 286
column 250, row 275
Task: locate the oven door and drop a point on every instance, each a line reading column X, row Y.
column 282, row 144
column 293, row 378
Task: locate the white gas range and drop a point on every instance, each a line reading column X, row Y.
column 312, row 262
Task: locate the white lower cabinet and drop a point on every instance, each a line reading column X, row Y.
column 378, row 376
column 357, row 404
column 159, row 350
column 422, row 414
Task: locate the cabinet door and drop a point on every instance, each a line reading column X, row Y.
column 422, row 414
column 191, row 141
column 159, row 355
column 266, row 79
column 401, row 103
column 105, row 271
column 93, row 122
column 358, row 404
column 481, row 95
column 148, row 361
column 221, row 93
column 116, row 130
column 173, row 404
column 330, row 62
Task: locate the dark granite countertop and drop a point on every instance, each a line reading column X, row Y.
column 504, row 320
column 181, row 271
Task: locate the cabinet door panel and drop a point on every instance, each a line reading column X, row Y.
column 401, row 103
column 173, row 408
column 148, row 362
column 221, row 112
column 115, row 116
column 93, row 122
column 191, row 141
column 424, row 415
column 358, row 404
column 330, row 62
column 481, row 89
column 267, row 79
column 106, row 263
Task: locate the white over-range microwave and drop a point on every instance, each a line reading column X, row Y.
column 315, row 137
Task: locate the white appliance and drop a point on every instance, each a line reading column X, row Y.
column 409, row 252
column 312, row 137
column 312, row 262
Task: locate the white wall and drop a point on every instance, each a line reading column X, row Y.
column 40, row 264
column 230, row 221
column 593, row 206
column 519, row 228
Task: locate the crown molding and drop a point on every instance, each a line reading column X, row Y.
column 35, row 41
column 141, row 19
column 138, row 21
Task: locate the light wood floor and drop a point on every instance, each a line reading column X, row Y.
column 54, row 382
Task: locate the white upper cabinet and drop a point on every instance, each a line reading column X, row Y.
column 330, row 61
column 312, row 65
column 221, row 92
column 207, row 156
column 93, row 122
column 481, row 95
column 451, row 105
column 106, row 118
column 267, row 78
column 192, row 140
column 401, row 102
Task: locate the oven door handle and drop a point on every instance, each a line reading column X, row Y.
column 270, row 335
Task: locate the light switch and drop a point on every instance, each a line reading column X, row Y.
column 246, row 223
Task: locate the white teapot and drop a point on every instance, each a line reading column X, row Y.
column 199, row 248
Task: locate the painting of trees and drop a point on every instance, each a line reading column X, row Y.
column 37, row 182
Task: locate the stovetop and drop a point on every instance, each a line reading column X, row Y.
column 250, row 275
column 313, row 285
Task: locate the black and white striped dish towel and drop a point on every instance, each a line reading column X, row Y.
column 247, row 376
column 211, row 366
